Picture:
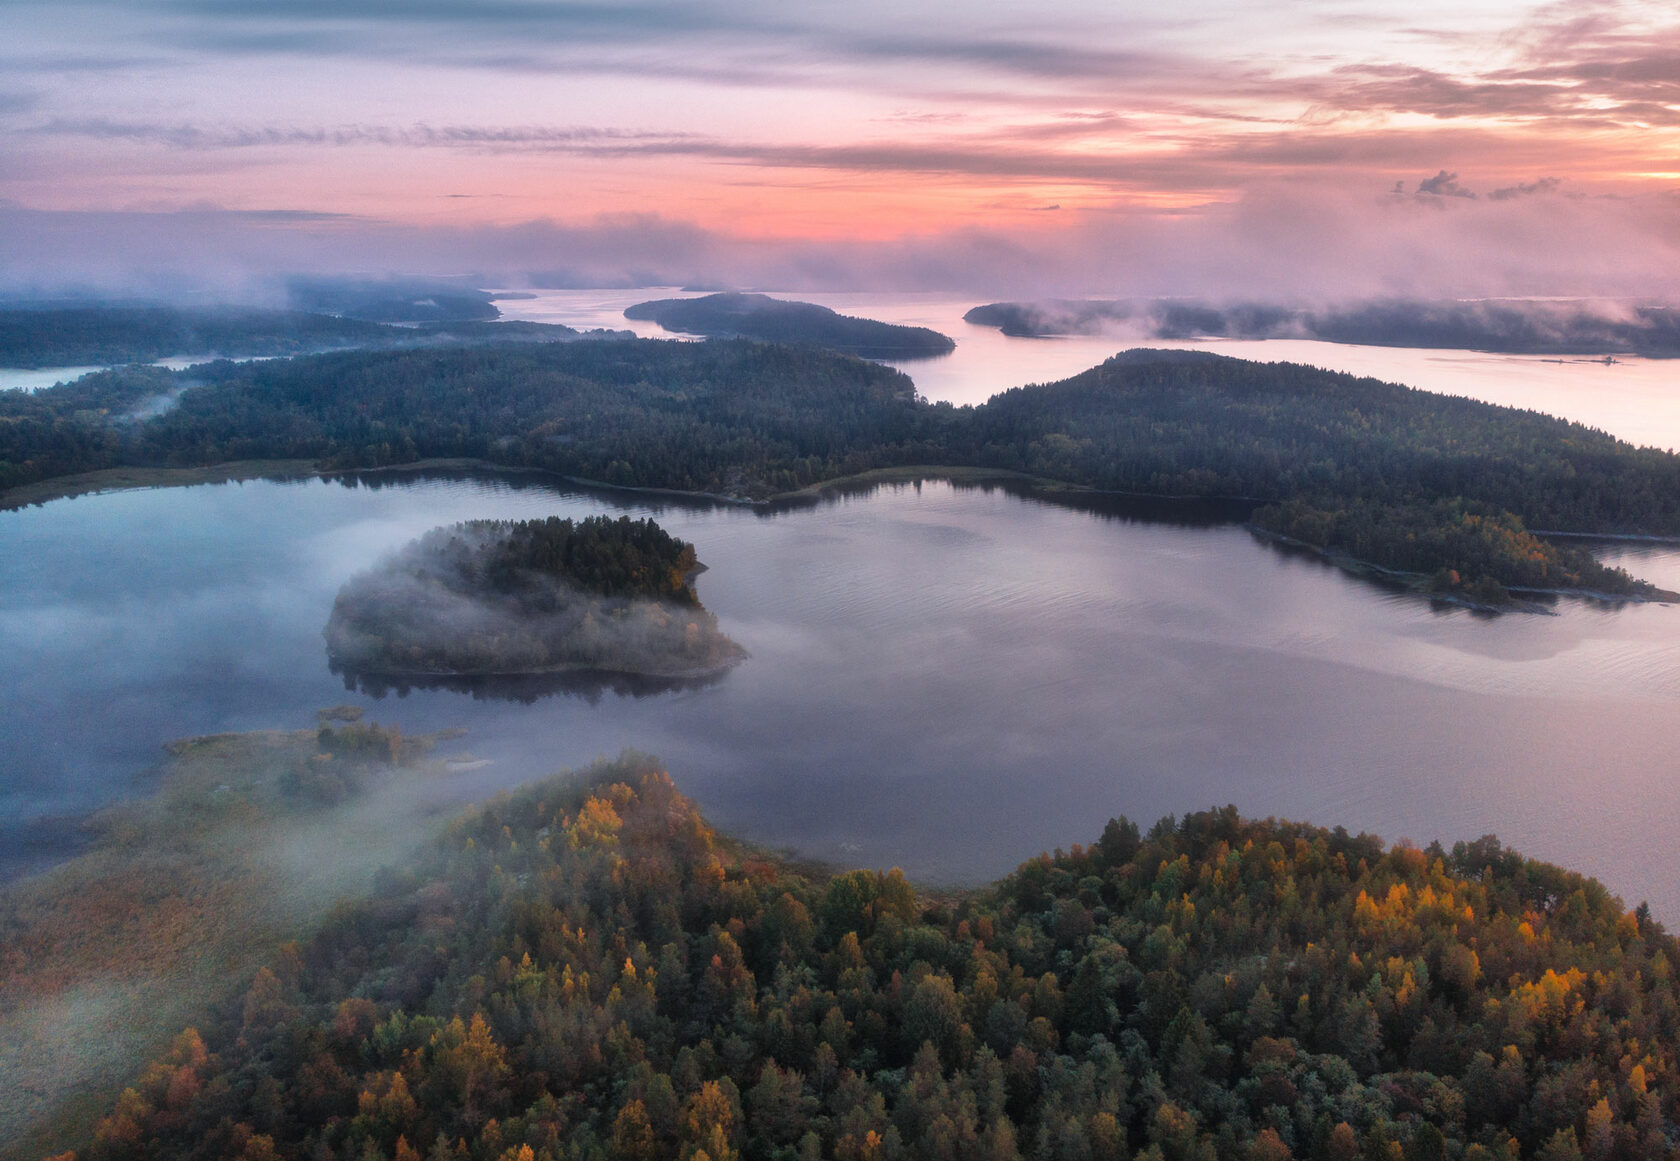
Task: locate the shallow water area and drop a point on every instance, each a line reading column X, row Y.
column 945, row 679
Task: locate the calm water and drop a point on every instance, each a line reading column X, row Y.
column 947, row 680
column 1635, row 399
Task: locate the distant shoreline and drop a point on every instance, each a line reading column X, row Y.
column 234, row 471
column 128, row 479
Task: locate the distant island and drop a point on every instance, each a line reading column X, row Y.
column 498, row 598
column 1503, row 326
column 84, row 334
column 758, row 316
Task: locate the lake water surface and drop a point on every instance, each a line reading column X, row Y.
column 944, row 679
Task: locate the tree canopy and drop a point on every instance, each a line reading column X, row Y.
column 586, row 969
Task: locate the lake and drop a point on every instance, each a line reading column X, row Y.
column 944, row 679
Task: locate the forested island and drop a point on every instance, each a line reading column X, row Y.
column 758, row 316
column 499, row 598
column 1512, row 326
column 1445, row 489
column 585, row 969
column 83, row 335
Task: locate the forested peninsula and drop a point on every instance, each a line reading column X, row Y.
column 585, row 969
column 499, row 598
column 1443, row 488
column 1510, row 326
column 758, row 316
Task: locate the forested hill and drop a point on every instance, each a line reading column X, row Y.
column 1402, row 478
column 758, row 316
column 74, row 336
column 1405, row 478
column 589, row 971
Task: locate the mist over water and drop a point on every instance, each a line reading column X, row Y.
column 946, row 680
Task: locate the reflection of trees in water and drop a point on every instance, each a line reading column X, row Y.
column 524, row 688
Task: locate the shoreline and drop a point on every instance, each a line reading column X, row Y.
column 570, row 670
column 134, row 478
column 130, row 479
column 1412, row 582
column 123, row 479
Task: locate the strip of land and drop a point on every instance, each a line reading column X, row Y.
column 1403, row 479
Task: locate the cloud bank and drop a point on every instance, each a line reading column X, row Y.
column 1280, row 242
column 1091, row 147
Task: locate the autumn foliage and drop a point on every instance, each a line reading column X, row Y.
column 586, row 970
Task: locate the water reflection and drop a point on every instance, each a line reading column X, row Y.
column 588, row 685
column 946, row 678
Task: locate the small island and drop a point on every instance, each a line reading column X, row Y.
column 1576, row 327
column 492, row 598
column 775, row 320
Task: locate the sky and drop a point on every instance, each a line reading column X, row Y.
column 1308, row 148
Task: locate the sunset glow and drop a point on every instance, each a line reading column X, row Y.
column 366, row 130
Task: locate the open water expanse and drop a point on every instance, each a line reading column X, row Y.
column 945, row 679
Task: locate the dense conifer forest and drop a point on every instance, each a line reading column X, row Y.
column 615, row 558
column 1403, row 478
column 585, row 969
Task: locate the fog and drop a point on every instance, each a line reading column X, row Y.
column 104, row 975
column 1288, row 241
column 428, row 610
